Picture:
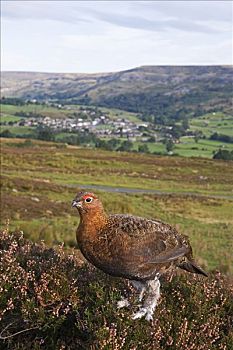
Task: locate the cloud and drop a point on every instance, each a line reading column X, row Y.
column 197, row 16
column 43, row 10
column 153, row 25
column 152, row 15
column 201, row 11
column 93, row 36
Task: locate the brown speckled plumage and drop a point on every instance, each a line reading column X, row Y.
column 128, row 246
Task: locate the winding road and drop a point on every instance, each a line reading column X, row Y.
column 147, row 191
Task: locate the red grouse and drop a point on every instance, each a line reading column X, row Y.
column 131, row 247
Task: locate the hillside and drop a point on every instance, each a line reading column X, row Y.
column 40, row 179
column 161, row 91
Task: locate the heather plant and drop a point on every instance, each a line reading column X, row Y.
column 51, row 299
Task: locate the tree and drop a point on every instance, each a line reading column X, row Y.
column 198, row 135
column 101, row 144
column 12, row 101
column 6, row 133
column 185, row 124
column 152, row 139
column 169, row 145
column 126, row 146
column 177, row 131
column 121, row 131
column 221, row 137
column 113, row 144
column 45, row 134
column 223, row 154
column 143, row 148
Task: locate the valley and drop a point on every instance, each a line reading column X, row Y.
column 115, row 129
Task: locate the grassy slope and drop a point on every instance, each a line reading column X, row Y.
column 18, row 130
column 204, row 148
column 213, row 122
column 5, row 118
column 54, row 112
column 114, row 113
column 48, row 111
column 189, row 148
column 36, row 197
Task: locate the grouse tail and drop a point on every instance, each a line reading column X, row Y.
column 191, row 266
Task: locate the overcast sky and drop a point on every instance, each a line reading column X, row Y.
column 104, row 36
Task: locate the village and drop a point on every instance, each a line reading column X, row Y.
column 88, row 120
column 100, row 122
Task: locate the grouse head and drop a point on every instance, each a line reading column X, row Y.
column 87, row 203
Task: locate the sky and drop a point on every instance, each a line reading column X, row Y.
column 106, row 36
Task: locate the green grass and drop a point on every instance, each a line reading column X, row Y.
column 18, row 130
column 208, row 124
column 115, row 113
column 213, row 122
column 55, row 112
column 9, row 118
column 59, row 137
column 203, row 148
column 45, row 172
column 47, row 111
column 189, row 148
column 153, row 146
column 86, row 166
column 209, row 229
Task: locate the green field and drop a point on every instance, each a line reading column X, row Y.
column 112, row 113
column 34, row 108
column 187, row 147
column 213, row 122
column 5, row 118
column 41, row 179
column 18, row 130
column 204, row 148
column 54, row 112
column 118, row 113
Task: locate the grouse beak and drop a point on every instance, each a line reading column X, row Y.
column 76, row 204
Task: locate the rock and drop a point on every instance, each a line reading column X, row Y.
column 35, row 199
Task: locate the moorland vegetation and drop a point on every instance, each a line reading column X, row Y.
column 51, row 299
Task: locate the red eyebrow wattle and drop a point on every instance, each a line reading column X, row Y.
column 87, row 196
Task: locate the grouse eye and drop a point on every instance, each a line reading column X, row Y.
column 88, row 199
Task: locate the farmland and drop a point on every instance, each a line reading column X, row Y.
column 55, row 112
column 213, row 122
column 186, row 146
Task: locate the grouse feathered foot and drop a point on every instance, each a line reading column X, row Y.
column 131, row 247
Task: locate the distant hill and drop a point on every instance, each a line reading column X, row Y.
column 155, row 91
